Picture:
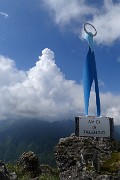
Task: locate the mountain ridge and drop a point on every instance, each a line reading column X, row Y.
column 38, row 136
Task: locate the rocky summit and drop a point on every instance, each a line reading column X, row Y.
column 87, row 158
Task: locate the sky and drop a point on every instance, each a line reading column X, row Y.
column 42, row 54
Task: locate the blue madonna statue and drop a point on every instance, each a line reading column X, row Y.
column 90, row 72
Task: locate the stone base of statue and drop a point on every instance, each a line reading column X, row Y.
column 92, row 126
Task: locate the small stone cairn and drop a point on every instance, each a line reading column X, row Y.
column 29, row 163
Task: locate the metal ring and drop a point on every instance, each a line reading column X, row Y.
column 89, row 33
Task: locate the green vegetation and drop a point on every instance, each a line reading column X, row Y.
column 32, row 135
column 47, row 177
column 25, row 176
column 111, row 165
column 90, row 167
column 14, row 168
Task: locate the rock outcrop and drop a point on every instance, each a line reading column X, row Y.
column 83, row 158
column 5, row 174
column 29, row 163
column 30, row 166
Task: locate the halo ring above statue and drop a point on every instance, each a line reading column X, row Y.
column 90, row 33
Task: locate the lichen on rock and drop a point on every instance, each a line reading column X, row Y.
column 88, row 158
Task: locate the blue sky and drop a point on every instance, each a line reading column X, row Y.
column 28, row 27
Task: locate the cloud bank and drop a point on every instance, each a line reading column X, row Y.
column 43, row 92
column 105, row 16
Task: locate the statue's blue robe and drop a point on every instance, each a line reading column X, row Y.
column 90, row 74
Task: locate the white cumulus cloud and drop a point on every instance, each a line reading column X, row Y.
column 104, row 17
column 107, row 23
column 64, row 11
column 44, row 93
column 9, row 74
column 5, row 15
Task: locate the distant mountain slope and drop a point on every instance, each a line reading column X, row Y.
column 117, row 132
column 38, row 136
column 41, row 137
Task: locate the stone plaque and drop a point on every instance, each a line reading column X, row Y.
column 92, row 126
